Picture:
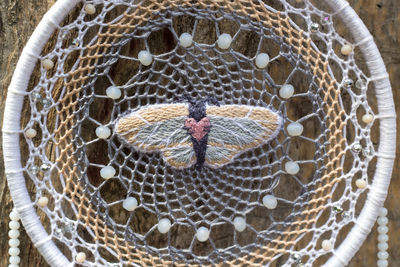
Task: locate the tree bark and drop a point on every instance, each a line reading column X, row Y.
column 19, row 18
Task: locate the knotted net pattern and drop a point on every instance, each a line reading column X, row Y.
column 67, row 104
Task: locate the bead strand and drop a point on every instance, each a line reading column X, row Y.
column 14, row 241
column 383, row 238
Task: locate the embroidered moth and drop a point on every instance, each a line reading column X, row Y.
column 197, row 132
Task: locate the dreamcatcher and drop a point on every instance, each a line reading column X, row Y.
column 246, row 138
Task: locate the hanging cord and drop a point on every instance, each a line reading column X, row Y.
column 383, row 238
column 14, row 241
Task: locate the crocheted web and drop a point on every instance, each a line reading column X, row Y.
column 93, row 52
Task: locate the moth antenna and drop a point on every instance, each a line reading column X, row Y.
column 212, row 100
column 185, row 98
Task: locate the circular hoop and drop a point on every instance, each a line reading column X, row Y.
column 26, row 64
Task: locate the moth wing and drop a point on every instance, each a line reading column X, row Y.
column 180, row 156
column 159, row 128
column 238, row 128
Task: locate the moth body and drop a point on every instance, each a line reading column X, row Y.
column 198, row 126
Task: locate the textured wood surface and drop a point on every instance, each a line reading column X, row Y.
column 19, row 18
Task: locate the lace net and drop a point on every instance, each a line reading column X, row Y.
column 93, row 52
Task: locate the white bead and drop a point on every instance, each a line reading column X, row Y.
column 113, row 92
column 383, row 238
column 382, row 221
column 383, row 255
column 80, row 257
column 13, row 242
column 15, row 260
column 164, row 225
column 13, row 233
column 47, row 64
column 107, row 172
column 361, row 183
column 286, row 91
column 14, row 215
column 13, row 265
column 383, row 212
column 103, row 132
column 367, row 118
column 202, row 234
column 239, row 223
column 383, row 229
column 382, row 263
column 30, row 133
column 43, row 201
column 326, row 245
column 145, row 57
column 13, row 251
column 90, row 9
column 270, row 201
column 186, row 39
column 383, row 246
column 224, row 41
column 14, row 225
column 262, row 60
column 295, row 129
column 130, row 204
column 292, row 167
column 346, row 49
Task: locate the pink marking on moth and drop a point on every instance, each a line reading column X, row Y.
column 198, row 129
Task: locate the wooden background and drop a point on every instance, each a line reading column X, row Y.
column 18, row 19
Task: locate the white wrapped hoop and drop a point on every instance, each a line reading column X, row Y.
column 51, row 21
